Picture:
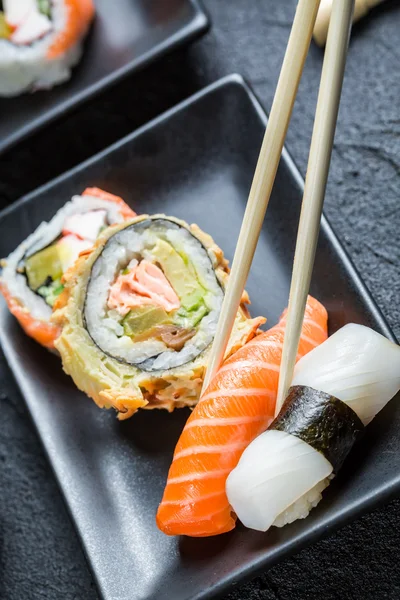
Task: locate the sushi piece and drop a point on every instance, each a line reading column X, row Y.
column 32, row 277
column 336, row 391
column 238, row 405
column 40, row 42
column 140, row 312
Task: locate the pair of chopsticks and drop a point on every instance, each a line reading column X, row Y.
column 315, row 184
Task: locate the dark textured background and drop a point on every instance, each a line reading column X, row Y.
column 40, row 556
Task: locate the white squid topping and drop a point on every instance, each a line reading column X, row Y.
column 279, row 477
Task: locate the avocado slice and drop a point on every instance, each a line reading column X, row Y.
column 142, row 318
column 194, row 300
column 42, row 265
column 180, row 274
column 190, row 318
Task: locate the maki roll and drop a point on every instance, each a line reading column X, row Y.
column 40, row 41
column 337, row 389
column 31, row 279
column 140, row 312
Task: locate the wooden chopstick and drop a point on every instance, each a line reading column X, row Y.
column 315, row 185
column 361, row 9
column 264, row 176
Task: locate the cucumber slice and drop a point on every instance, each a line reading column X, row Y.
column 44, row 7
column 51, row 292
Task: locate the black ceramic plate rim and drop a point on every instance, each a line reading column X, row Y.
column 199, row 25
column 325, row 526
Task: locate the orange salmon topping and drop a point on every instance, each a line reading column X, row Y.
column 43, row 332
column 144, row 284
column 78, row 15
column 125, row 210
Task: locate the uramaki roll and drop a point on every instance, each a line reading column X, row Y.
column 40, row 41
column 31, row 279
column 139, row 313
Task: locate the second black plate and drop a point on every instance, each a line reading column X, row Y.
column 126, row 35
column 195, row 162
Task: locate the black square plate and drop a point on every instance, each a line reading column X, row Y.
column 126, row 35
column 195, row 162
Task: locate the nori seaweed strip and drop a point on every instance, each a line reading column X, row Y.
column 324, row 422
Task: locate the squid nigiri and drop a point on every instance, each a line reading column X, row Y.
column 237, row 406
column 336, row 391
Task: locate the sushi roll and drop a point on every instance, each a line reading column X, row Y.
column 31, row 278
column 40, row 41
column 140, row 312
column 337, row 389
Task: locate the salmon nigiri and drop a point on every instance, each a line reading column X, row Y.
column 237, row 406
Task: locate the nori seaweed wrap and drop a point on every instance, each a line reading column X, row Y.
column 321, row 420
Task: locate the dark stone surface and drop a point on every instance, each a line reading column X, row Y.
column 40, row 555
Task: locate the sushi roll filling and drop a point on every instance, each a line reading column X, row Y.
column 153, row 298
column 44, row 264
column 44, row 7
column 323, row 421
column 22, row 22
